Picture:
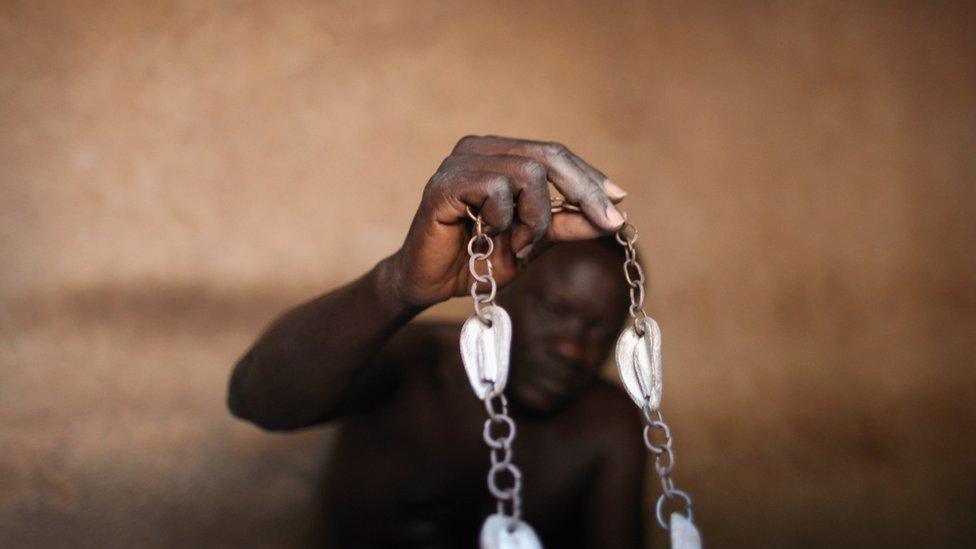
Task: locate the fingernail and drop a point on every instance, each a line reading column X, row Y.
column 614, row 216
column 525, row 251
column 613, row 191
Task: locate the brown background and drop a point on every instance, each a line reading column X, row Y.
column 174, row 173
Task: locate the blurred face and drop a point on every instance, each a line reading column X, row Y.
column 567, row 309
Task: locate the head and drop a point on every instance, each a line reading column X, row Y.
column 567, row 308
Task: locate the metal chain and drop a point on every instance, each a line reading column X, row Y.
column 663, row 464
column 480, row 238
column 626, row 236
column 505, row 490
column 662, row 451
column 500, row 449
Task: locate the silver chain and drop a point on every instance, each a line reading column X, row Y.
column 663, row 464
column 662, row 451
column 499, row 444
column 626, row 236
column 480, row 238
column 500, row 448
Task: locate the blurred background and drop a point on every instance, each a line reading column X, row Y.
column 174, row 174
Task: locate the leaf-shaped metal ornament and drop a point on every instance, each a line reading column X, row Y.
column 498, row 532
column 639, row 363
column 485, row 351
column 684, row 534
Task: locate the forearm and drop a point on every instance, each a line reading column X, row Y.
column 299, row 370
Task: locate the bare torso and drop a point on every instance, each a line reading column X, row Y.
column 411, row 473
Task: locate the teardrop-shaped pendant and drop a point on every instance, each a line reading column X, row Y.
column 684, row 534
column 639, row 363
column 499, row 532
column 485, row 351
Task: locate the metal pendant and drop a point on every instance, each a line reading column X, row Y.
column 639, row 363
column 498, row 532
column 485, row 351
column 684, row 534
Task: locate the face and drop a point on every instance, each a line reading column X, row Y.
column 567, row 309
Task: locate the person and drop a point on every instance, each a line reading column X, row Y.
column 409, row 463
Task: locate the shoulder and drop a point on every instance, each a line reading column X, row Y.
column 610, row 416
column 606, row 401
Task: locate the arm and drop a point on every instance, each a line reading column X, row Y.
column 303, row 369
column 299, row 370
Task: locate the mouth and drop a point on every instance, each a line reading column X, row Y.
column 552, row 378
column 548, row 385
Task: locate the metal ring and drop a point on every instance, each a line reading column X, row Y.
column 494, row 290
column 636, row 301
column 667, row 484
column 510, row 492
column 630, row 253
column 488, row 406
column 484, row 298
column 516, row 513
column 506, row 457
column 502, row 441
column 647, row 411
column 481, row 237
column 664, row 470
column 667, row 436
column 639, row 271
column 660, row 506
column 623, row 238
column 481, row 314
column 637, row 314
column 490, row 271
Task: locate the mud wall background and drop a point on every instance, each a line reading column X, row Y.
column 172, row 174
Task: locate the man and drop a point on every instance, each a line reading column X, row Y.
column 410, row 464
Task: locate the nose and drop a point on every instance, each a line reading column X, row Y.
column 568, row 341
column 569, row 349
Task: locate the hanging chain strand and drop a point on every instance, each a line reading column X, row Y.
column 663, row 452
column 626, row 236
column 500, row 449
column 499, row 444
column 480, row 238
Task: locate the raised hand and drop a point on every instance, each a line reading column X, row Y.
column 506, row 181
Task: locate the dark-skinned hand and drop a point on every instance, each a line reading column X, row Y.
column 506, row 181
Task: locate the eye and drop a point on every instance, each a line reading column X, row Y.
column 544, row 306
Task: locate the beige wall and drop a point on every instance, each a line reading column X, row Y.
column 173, row 173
